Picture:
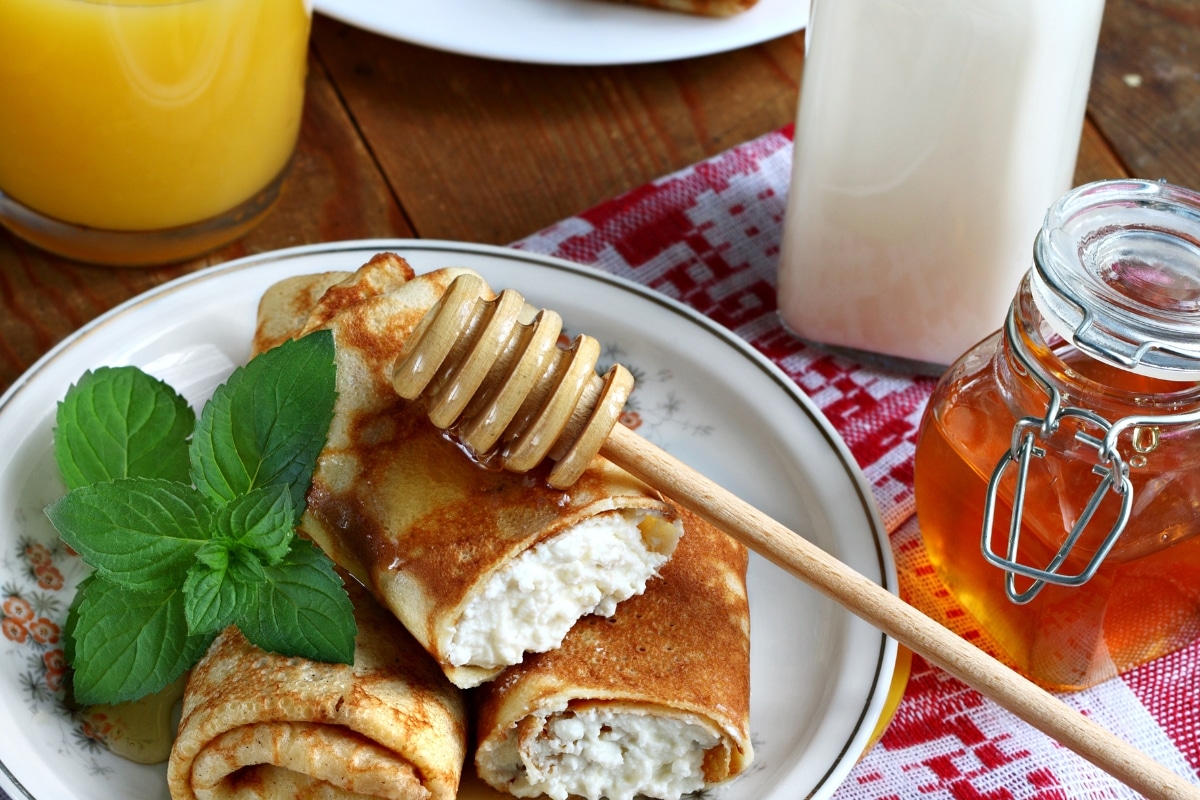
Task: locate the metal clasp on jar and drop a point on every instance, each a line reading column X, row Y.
column 1111, row 466
column 1114, row 477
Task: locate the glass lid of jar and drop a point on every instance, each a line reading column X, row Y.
column 1117, row 273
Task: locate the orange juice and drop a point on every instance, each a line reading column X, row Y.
column 138, row 115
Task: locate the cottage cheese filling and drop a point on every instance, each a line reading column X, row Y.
column 531, row 604
column 600, row 753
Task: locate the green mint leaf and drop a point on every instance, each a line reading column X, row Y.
column 302, row 609
column 262, row 521
column 72, row 621
column 212, row 598
column 119, row 422
column 141, row 533
column 245, row 566
column 129, row 644
column 214, row 554
column 266, row 425
column 224, row 554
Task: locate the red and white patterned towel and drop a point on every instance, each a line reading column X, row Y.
column 709, row 236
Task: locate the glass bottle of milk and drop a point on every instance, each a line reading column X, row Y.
column 932, row 137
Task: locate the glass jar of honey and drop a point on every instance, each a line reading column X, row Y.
column 1058, row 464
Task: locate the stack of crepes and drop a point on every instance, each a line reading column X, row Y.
column 652, row 701
column 261, row 725
column 631, row 638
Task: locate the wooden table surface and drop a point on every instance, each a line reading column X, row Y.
column 402, row 141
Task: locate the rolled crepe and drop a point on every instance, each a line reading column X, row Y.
column 261, row 725
column 653, row 701
column 481, row 565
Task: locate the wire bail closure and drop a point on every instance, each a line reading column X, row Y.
column 1111, row 466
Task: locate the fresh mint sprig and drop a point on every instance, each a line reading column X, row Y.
column 190, row 525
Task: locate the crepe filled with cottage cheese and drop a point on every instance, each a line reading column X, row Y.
column 480, row 564
column 652, row 701
column 261, row 725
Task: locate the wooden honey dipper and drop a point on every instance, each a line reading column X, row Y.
column 491, row 370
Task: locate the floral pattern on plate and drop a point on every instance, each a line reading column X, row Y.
column 39, row 581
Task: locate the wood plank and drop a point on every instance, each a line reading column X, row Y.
column 486, row 151
column 1096, row 160
column 1145, row 97
column 334, row 191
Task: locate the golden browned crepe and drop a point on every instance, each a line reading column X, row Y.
column 479, row 564
column 566, row 721
column 261, row 725
column 706, row 8
column 284, row 307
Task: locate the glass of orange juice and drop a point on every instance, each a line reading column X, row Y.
column 138, row 132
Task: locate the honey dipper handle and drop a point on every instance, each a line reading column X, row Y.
column 893, row 616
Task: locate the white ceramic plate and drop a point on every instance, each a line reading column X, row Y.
column 575, row 32
column 819, row 676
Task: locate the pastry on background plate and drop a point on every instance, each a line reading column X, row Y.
column 652, row 701
column 706, row 8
